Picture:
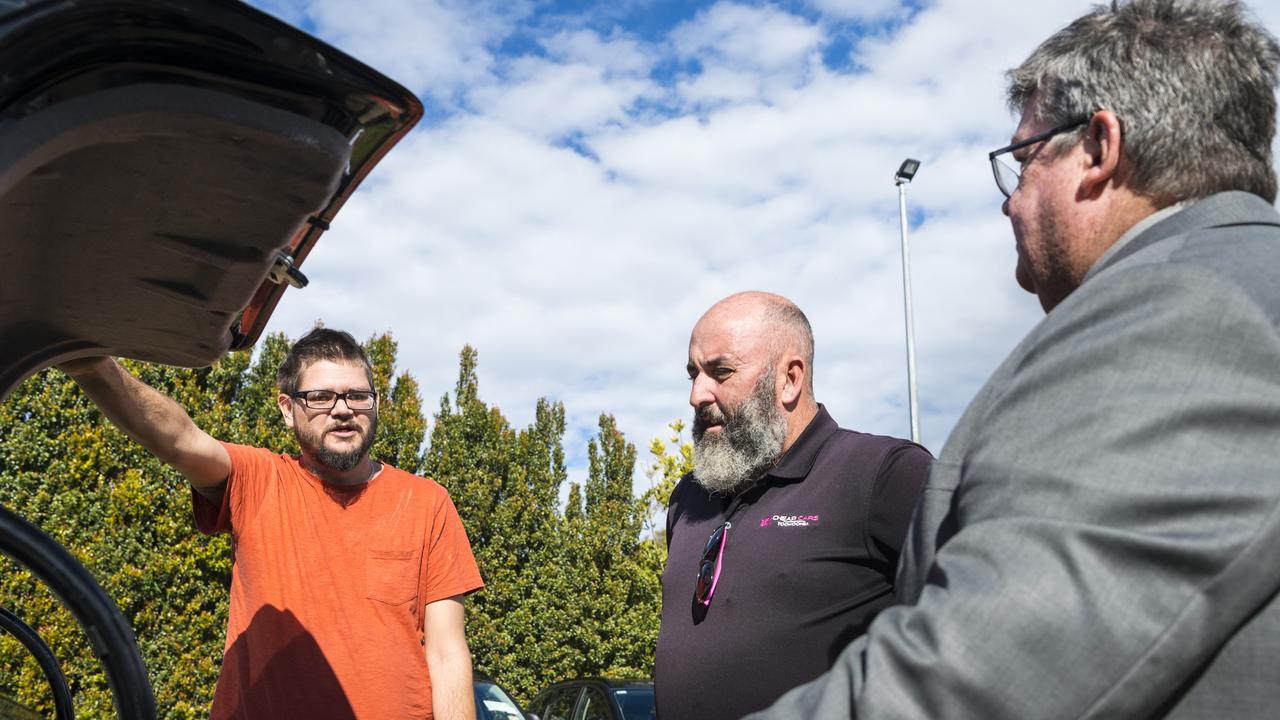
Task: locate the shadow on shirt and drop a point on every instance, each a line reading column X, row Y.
column 275, row 669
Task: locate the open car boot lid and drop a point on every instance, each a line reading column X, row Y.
column 165, row 166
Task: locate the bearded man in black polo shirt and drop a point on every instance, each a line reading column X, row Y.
column 782, row 543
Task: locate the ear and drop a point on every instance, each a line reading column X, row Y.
column 794, row 380
column 1103, row 146
column 285, row 403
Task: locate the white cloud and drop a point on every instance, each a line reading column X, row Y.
column 860, row 9
column 440, row 47
column 745, row 52
column 764, row 37
column 552, row 99
column 585, row 81
column 618, row 54
column 579, row 277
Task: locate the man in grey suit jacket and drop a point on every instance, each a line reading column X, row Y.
column 1100, row 537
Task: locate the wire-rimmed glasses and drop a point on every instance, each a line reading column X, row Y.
column 1008, row 176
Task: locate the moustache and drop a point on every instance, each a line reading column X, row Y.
column 706, row 416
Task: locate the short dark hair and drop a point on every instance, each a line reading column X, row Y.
column 321, row 343
column 1192, row 81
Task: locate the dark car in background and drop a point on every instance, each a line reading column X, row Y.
column 595, row 699
column 493, row 702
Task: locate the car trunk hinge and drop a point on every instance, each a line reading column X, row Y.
column 284, row 271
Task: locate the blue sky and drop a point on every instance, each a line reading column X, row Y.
column 591, row 176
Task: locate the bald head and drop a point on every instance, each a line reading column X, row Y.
column 761, row 322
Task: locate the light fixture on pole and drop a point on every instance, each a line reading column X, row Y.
column 901, row 178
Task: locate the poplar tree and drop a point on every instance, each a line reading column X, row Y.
column 568, row 592
column 505, row 484
column 623, row 604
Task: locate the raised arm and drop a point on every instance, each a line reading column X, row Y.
column 161, row 425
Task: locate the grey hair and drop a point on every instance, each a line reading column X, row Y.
column 786, row 317
column 1192, row 81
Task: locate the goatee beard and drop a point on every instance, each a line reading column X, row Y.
column 338, row 461
column 748, row 445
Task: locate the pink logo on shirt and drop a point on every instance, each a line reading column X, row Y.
column 789, row 521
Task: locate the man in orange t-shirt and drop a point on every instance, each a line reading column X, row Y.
column 348, row 576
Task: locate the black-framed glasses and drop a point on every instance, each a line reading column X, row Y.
column 1008, row 176
column 328, row 399
column 710, row 564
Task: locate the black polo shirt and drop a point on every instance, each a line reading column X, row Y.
column 809, row 562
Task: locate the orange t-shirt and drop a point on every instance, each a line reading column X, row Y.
column 328, row 588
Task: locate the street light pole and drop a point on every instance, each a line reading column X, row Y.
column 904, row 175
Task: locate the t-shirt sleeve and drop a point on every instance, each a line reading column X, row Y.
column 450, row 567
column 249, row 468
column 897, row 488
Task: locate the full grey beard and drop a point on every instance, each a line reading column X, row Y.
column 747, row 446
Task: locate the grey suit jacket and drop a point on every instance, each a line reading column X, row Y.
column 1100, row 537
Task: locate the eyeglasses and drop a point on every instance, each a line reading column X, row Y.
column 328, row 399
column 709, row 566
column 1008, row 176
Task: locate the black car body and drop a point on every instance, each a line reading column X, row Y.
column 164, row 167
column 595, row 699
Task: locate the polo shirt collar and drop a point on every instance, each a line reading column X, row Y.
column 799, row 458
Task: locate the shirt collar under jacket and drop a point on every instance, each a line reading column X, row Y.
column 1138, row 228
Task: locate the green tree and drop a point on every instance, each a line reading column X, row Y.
column 672, row 460
column 505, row 485
column 402, row 425
column 568, row 592
column 623, row 604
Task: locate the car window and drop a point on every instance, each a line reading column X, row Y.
column 594, row 706
column 559, row 705
column 636, row 703
column 494, row 704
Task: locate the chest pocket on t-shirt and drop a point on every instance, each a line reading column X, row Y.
column 391, row 576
